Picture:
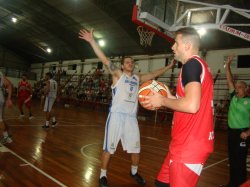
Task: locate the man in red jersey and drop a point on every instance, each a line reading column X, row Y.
column 24, row 95
column 192, row 130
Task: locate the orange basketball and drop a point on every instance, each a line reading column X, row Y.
column 145, row 89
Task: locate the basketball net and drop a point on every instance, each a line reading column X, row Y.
column 146, row 36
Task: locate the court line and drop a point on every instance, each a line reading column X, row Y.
column 98, row 160
column 36, row 168
column 216, row 163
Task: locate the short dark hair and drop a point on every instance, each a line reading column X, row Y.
column 49, row 74
column 192, row 34
column 124, row 57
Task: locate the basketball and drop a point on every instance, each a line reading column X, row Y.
column 145, row 89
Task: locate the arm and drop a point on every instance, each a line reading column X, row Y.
column 8, row 85
column 31, row 91
column 190, row 103
column 156, row 73
column 47, row 88
column 191, row 82
column 229, row 75
column 88, row 36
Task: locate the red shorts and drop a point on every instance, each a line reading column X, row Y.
column 24, row 100
column 179, row 174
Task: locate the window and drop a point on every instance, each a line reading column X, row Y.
column 243, row 61
column 72, row 67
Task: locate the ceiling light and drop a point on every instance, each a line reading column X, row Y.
column 101, row 43
column 14, row 19
column 202, row 32
column 48, row 50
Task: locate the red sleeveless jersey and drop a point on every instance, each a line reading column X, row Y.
column 24, row 89
column 193, row 134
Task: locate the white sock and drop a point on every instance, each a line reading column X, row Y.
column 5, row 134
column 134, row 169
column 53, row 119
column 47, row 123
column 103, row 173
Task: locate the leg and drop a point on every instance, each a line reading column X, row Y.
column 28, row 106
column 103, row 182
column 135, row 157
column 20, row 106
column 242, row 162
column 111, row 139
column 131, row 142
column 105, row 160
column 47, row 112
column 162, row 179
column 184, row 175
column 233, row 154
column 3, row 126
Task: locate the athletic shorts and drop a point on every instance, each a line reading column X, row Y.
column 179, row 174
column 121, row 127
column 24, row 100
column 48, row 104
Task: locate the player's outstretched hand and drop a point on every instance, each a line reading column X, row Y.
column 86, row 35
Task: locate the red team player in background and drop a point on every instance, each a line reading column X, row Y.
column 24, row 95
column 192, row 130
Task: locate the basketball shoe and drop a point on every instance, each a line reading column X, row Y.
column 138, row 178
column 6, row 139
column 54, row 124
column 103, row 182
column 45, row 126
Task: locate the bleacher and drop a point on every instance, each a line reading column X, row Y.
column 92, row 91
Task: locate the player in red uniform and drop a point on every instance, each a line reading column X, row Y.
column 192, row 131
column 24, row 96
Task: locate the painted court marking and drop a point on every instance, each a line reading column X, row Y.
column 5, row 149
column 216, row 163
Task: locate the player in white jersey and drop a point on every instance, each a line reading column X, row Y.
column 4, row 82
column 122, row 120
column 50, row 93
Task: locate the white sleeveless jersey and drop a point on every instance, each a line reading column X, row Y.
column 124, row 95
column 52, row 89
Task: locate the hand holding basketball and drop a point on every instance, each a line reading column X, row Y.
column 151, row 94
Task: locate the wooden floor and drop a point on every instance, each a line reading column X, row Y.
column 69, row 154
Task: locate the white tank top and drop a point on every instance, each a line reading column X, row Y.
column 124, row 95
column 52, row 89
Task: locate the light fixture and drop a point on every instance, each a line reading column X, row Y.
column 14, row 19
column 101, row 43
column 202, row 32
column 48, row 50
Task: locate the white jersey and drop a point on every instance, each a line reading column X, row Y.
column 124, row 95
column 52, row 88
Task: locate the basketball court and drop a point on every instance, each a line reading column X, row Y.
column 69, row 155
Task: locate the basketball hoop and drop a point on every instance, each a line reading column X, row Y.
column 146, row 36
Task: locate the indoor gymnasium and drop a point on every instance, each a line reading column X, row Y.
column 124, row 93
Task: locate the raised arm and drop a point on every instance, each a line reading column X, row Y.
column 156, row 73
column 88, row 37
column 229, row 75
